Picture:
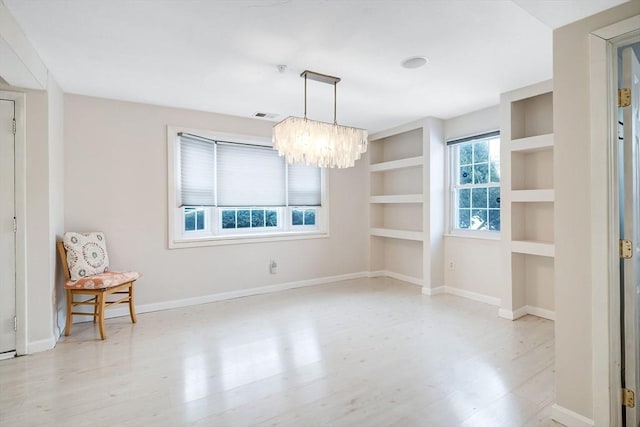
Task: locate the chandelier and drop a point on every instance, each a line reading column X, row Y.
column 311, row 142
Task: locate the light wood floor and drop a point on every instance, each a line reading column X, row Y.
column 367, row 352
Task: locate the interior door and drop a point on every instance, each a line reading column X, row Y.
column 630, row 292
column 7, row 234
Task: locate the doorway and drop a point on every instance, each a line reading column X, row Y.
column 629, row 220
column 615, row 178
column 18, row 322
column 8, row 319
column 613, row 278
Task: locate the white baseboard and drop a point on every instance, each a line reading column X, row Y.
column 434, row 291
column 48, row 343
column 512, row 315
column 527, row 309
column 377, row 273
column 505, row 314
column 7, row 355
column 397, row 276
column 166, row 305
column 437, row 290
column 472, row 295
column 541, row 312
column 41, row 345
column 569, row 418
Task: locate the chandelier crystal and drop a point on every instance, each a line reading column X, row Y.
column 312, row 142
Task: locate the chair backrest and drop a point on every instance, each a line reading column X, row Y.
column 63, row 258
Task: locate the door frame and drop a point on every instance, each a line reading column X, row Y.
column 605, row 268
column 21, row 217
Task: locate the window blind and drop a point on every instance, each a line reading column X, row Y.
column 250, row 176
column 304, row 185
column 474, row 137
column 215, row 173
column 197, row 171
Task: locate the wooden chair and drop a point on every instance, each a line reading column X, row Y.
column 98, row 288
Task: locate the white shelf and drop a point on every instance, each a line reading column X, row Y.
column 531, row 247
column 527, row 212
column 532, row 196
column 533, row 143
column 397, row 234
column 409, row 162
column 399, row 198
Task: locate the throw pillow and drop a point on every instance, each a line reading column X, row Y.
column 86, row 254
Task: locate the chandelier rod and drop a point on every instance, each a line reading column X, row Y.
column 335, row 102
column 323, row 78
column 305, row 95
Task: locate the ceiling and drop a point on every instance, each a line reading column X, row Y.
column 222, row 55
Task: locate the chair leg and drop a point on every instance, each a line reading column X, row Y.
column 132, row 307
column 100, row 303
column 67, row 328
column 95, row 308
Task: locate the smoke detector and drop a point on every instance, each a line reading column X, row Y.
column 414, row 62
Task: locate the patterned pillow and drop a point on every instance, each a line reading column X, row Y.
column 86, row 254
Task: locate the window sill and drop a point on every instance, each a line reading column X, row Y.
column 244, row 239
column 482, row 235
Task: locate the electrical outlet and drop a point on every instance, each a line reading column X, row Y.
column 273, row 267
column 451, row 265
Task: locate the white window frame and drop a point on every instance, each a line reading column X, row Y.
column 452, row 202
column 301, row 227
column 248, row 230
column 207, row 223
column 213, row 234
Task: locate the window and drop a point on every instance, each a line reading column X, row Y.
column 303, row 217
column 234, row 188
column 475, row 182
column 194, row 219
column 255, row 218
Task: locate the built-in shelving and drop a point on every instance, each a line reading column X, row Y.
column 397, row 234
column 405, row 172
column 533, row 143
column 398, row 198
column 528, row 196
column 396, row 193
column 397, row 164
column 527, row 200
column 531, row 247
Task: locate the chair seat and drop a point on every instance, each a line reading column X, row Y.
column 105, row 280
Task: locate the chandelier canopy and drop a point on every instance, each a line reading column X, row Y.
column 312, row 142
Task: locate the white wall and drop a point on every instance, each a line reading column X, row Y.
column 39, row 296
column 116, row 181
column 573, row 241
column 55, row 106
column 44, row 184
column 435, row 215
column 474, row 123
column 44, row 177
column 477, row 262
column 477, row 265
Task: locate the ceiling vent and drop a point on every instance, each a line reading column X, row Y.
column 267, row 116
